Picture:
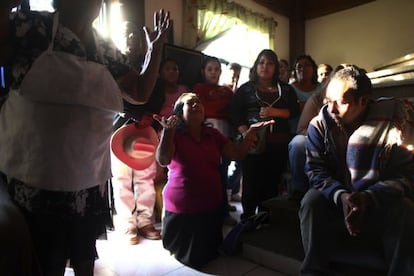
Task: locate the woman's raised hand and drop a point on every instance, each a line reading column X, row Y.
column 250, row 134
column 258, row 125
column 162, row 24
column 167, row 123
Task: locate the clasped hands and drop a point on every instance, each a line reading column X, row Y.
column 266, row 112
column 354, row 206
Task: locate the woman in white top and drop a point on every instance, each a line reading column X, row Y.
column 67, row 84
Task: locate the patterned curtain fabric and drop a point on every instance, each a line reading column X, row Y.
column 206, row 19
column 211, row 24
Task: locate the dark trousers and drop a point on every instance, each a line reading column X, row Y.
column 323, row 229
column 234, row 179
column 261, row 176
column 224, row 165
column 193, row 239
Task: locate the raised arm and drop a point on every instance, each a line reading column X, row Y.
column 166, row 147
column 139, row 85
column 238, row 150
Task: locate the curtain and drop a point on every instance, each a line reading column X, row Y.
column 211, row 24
column 206, row 19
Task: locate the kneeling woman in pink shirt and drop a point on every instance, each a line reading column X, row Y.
column 192, row 150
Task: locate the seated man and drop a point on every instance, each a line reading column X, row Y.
column 361, row 168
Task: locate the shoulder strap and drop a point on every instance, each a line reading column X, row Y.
column 54, row 30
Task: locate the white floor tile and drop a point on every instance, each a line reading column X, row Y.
column 149, row 258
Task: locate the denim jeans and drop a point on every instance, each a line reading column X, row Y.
column 297, row 159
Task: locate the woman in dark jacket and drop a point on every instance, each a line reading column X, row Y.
column 264, row 97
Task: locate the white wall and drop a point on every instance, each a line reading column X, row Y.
column 176, row 9
column 367, row 35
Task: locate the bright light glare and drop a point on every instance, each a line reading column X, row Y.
column 41, row 5
column 117, row 26
column 239, row 45
column 100, row 23
column 112, row 27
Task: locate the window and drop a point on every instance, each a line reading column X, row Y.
column 231, row 33
column 240, row 45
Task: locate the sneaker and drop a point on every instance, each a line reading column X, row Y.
column 236, row 197
column 149, row 232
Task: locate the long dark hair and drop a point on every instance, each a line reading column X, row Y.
column 158, row 93
column 270, row 54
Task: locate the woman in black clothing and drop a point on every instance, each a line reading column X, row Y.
column 264, row 97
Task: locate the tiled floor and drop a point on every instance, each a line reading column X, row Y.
column 149, row 258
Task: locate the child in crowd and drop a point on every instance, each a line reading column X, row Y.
column 216, row 100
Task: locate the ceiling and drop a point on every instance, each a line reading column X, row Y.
column 309, row 9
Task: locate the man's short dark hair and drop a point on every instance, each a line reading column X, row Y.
column 356, row 78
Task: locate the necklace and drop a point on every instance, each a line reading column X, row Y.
column 269, row 104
